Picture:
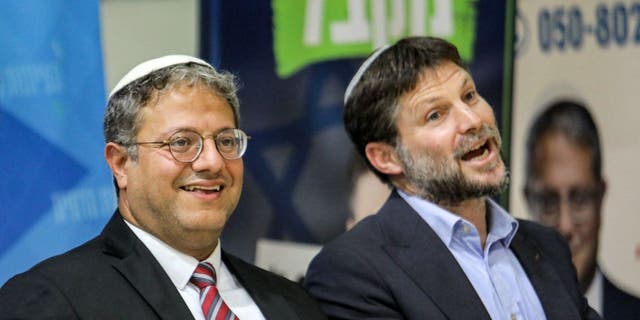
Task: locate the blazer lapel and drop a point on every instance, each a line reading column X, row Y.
column 556, row 302
column 138, row 266
column 418, row 250
column 271, row 304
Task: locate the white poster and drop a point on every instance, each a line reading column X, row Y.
column 588, row 51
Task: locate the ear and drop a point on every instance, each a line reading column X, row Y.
column 604, row 186
column 382, row 156
column 603, row 189
column 117, row 158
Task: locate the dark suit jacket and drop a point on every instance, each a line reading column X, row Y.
column 618, row 304
column 392, row 265
column 114, row 276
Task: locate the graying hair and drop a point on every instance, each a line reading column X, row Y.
column 122, row 118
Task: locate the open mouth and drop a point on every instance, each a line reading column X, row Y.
column 479, row 153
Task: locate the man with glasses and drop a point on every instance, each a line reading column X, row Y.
column 175, row 151
column 564, row 189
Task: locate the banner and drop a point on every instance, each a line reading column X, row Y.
column 294, row 60
column 56, row 189
column 319, row 30
column 587, row 51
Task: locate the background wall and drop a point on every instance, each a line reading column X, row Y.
column 137, row 30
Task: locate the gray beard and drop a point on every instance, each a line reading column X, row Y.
column 441, row 181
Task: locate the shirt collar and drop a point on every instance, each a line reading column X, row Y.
column 178, row 266
column 502, row 225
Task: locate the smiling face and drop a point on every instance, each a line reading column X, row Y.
column 185, row 205
column 448, row 144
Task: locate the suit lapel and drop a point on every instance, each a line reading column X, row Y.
column 271, row 304
column 554, row 298
column 418, row 250
column 138, row 266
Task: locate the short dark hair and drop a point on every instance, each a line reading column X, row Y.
column 574, row 121
column 372, row 107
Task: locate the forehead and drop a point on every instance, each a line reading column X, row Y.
column 439, row 77
column 434, row 84
column 196, row 105
column 440, row 73
column 560, row 162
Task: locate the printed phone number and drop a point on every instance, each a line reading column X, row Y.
column 561, row 28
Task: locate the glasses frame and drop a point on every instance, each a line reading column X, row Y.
column 167, row 142
column 580, row 212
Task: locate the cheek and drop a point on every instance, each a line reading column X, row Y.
column 589, row 230
column 236, row 170
column 486, row 113
column 160, row 176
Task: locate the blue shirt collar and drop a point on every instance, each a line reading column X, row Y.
column 502, row 226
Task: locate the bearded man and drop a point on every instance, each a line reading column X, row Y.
column 439, row 248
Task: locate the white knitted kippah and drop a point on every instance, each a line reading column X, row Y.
column 149, row 66
column 365, row 65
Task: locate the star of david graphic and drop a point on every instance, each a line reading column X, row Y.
column 322, row 109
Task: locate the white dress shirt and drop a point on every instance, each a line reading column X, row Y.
column 179, row 267
column 594, row 293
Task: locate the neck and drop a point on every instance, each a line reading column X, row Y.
column 474, row 211
column 586, row 280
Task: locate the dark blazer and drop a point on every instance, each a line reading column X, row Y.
column 618, row 304
column 114, row 276
column 392, row 265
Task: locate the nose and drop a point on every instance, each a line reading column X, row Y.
column 209, row 159
column 565, row 220
column 468, row 119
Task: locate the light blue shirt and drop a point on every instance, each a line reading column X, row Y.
column 494, row 272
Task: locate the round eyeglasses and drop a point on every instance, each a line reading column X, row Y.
column 186, row 145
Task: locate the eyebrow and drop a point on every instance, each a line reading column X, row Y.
column 467, row 79
column 171, row 131
column 432, row 100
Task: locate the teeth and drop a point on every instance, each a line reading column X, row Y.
column 194, row 188
column 484, row 154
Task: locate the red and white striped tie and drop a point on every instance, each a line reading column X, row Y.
column 212, row 305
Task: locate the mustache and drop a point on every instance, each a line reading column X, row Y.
column 206, row 175
column 486, row 132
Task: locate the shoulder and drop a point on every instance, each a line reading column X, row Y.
column 618, row 304
column 546, row 240
column 362, row 243
column 350, row 260
column 361, row 251
column 543, row 235
column 49, row 284
column 70, row 264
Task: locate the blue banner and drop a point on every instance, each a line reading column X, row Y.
column 56, row 189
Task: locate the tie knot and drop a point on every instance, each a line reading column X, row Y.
column 204, row 275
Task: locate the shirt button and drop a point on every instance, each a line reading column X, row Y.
column 513, row 317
